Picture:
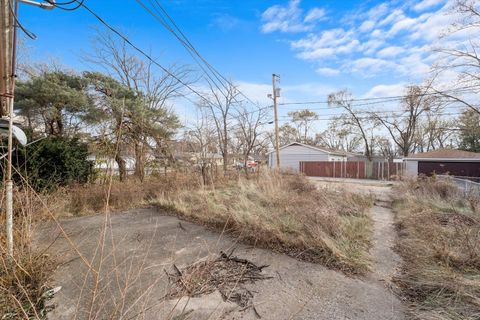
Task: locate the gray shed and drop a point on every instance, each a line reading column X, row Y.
column 292, row 154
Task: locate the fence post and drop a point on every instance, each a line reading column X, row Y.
column 333, row 169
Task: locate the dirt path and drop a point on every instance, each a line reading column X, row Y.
column 386, row 260
column 152, row 242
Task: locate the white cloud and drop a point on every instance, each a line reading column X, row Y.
column 225, row 22
column 367, row 25
column 377, row 33
column 371, row 66
column 390, row 39
column 328, row 71
column 392, row 18
column 256, row 91
column 390, row 52
column 431, row 26
column 371, row 46
column 404, row 24
column 299, row 91
column 328, row 44
column 290, row 18
column 316, row 14
column 386, row 90
column 425, row 4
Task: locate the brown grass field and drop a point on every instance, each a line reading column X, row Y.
column 439, row 240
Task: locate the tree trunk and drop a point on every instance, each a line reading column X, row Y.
column 139, row 162
column 122, row 167
column 245, row 161
column 225, row 146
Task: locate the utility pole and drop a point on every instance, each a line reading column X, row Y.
column 8, row 53
column 276, row 94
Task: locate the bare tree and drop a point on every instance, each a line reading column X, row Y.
column 220, row 105
column 201, row 139
column 303, row 120
column 460, row 55
column 151, row 119
column 352, row 118
column 434, row 132
column 385, row 147
column 339, row 137
column 250, row 124
column 287, row 135
column 403, row 127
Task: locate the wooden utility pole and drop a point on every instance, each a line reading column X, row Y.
column 277, row 138
column 8, row 50
column 7, row 82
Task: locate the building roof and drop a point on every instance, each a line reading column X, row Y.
column 325, row 150
column 445, row 154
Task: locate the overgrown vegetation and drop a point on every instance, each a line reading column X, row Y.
column 53, row 162
column 285, row 213
column 439, row 240
column 24, row 279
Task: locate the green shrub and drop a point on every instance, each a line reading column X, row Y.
column 53, row 162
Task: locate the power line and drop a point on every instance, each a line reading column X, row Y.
column 191, row 48
column 27, row 32
column 61, row 5
column 201, row 57
column 136, row 48
column 393, row 116
column 376, row 111
column 387, row 98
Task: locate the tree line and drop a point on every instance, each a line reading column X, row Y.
column 423, row 119
column 126, row 109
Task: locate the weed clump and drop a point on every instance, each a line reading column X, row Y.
column 288, row 214
column 439, row 240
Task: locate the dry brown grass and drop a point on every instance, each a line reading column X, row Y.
column 439, row 240
column 285, row 213
column 90, row 199
column 24, row 278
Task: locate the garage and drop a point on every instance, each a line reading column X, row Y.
column 462, row 169
column 457, row 163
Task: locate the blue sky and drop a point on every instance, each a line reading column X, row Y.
column 372, row 48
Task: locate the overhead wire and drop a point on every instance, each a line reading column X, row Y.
column 27, row 32
column 187, row 44
column 190, row 47
column 61, row 5
column 142, row 52
column 466, row 89
column 392, row 112
column 200, row 56
column 368, row 118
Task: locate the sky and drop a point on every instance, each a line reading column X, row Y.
column 372, row 48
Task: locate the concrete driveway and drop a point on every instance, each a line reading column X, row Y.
column 139, row 245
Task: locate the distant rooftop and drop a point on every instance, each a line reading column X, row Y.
column 445, row 154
